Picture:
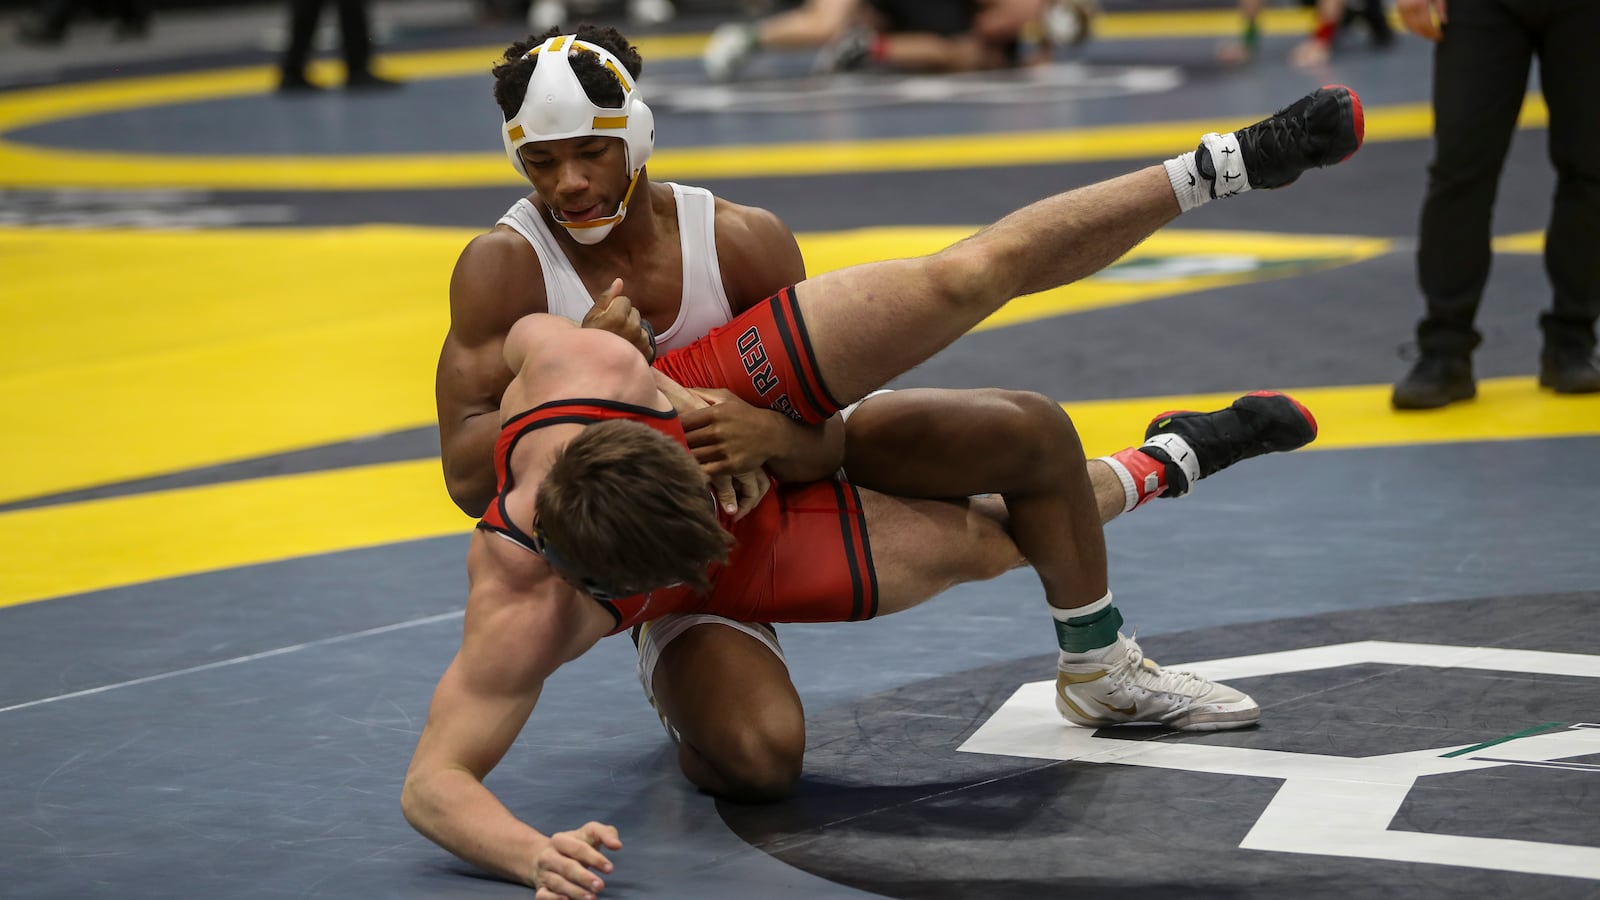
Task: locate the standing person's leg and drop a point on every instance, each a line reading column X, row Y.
column 1480, row 74
column 355, row 36
column 49, row 22
column 1570, row 79
column 131, row 18
column 303, row 16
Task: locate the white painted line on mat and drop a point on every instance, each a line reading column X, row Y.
column 221, row 663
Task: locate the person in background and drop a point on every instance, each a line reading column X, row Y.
column 1482, row 52
column 50, row 21
column 1331, row 19
column 547, row 14
column 355, row 41
column 905, row 35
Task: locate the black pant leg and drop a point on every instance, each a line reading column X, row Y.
column 1569, row 73
column 57, row 15
column 355, row 36
column 303, row 16
column 1480, row 74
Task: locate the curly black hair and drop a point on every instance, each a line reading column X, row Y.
column 511, row 74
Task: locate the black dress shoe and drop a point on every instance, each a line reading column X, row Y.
column 297, row 84
column 1436, row 380
column 131, row 28
column 1569, row 371
column 366, row 81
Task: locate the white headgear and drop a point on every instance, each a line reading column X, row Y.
column 556, row 107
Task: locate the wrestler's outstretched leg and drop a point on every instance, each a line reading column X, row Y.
column 868, row 324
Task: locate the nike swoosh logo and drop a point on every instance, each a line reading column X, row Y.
column 1191, row 179
column 1131, row 709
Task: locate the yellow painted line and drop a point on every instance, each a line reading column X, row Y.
column 1359, row 416
column 127, row 540
column 1216, row 23
column 1531, row 242
column 138, row 353
column 35, row 167
column 71, row 549
column 180, row 350
column 28, row 166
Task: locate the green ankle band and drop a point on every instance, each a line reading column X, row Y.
column 1089, row 632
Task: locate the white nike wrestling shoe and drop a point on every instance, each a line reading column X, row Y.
column 1127, row 689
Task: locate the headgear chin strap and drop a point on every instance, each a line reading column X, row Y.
column 556, row 107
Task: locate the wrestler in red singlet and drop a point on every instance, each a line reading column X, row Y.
column 800, row 556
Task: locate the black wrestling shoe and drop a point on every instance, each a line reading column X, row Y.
column 1320, row 129
column 1195, row 445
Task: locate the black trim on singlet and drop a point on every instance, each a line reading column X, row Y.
column 780, row 320
column 811, row 353
column 512, row 529
column 589, row 401
column 517, row 537
column 609, row 607
column 847, row 529
column 866, row 551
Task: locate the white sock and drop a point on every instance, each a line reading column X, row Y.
column 1130, row 491
column 1191, row 189
column 1194, row 189
column 1078, row 612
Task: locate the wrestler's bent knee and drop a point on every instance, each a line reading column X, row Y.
column 1039, row 427
column 756, row 766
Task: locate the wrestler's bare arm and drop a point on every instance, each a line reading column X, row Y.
column 522, row 623
column 496, row 281
column 757, row 252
